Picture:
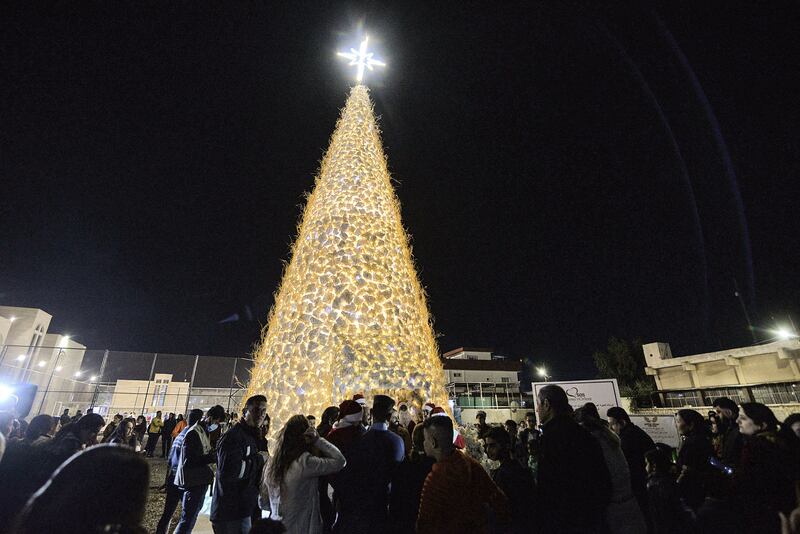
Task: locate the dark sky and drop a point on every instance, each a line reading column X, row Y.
column 569, row 171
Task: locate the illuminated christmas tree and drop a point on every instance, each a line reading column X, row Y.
column 350, row 315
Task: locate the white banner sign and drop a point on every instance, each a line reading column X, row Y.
column 659, row 427
column 603, row 393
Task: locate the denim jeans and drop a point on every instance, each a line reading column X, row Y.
column 170, row 504
column 192, row 503
column 238, row 526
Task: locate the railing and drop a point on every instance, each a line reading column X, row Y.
column 111, row 382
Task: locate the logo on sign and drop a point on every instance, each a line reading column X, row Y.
column 574, row 393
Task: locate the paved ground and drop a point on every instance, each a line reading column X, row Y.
column 155, row 501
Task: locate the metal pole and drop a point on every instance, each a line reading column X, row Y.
column 99, row 378
column 149, row 379
column 230, row 390
column 50, row 380
column 744, row 310
column 191, row 383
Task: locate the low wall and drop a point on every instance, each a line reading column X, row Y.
column 781, row 411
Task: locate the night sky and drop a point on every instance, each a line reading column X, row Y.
column 568, row 171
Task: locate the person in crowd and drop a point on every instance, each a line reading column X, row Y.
column 572, row 473
column 140, row 430
column 6, row 424
column 400, row 430
column 124, row 434
column 635, row 443
column 75, row 436
column 174, row 493
column 153, row 433
column 76, row 417
column 20, row 428
column 730, row 440
column 481, row 425
column 192, row 472
column 717, row 512
column 180, row 424
column 513, row 434
column 267, row 526
column 406, row 418
column 693, row 456
column 293, row 473
column 348, row 429
column 166, row 434
column 427, row 408
column 65, row 418
column 764, row 480
column 329, row 417
column 445, row 505
column 790, row 432
column 312, row 420
column 239, row 469
column 114, row 502
column 527, row 435
column 667, row 513
column 714, row 429
column 39, row 430
column 108, row 431
column 363, row 489
column 407, row 485
column 515, row 481
column 623, row 514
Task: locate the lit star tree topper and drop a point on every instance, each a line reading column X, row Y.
column 361, row 59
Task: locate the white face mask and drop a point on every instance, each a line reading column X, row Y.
column 212, row 427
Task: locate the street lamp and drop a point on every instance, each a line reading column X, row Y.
column 785, row 333
column 542, row 372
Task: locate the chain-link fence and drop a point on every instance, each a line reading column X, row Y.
column 50, row 380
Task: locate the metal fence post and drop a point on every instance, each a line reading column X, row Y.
column 50, row 380
column 191, row 383
column 149, row 379
column 230, row 389
column 99, row 378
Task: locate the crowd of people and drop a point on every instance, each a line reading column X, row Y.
column 390, row 469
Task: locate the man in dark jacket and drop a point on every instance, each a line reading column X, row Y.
column 192, row 474
column 515, row 481
column 363, row 486
column 174, row 493
column 239, row 467
column 635, row 444
column 574, row 485
column 166, row 434
column 732, row 440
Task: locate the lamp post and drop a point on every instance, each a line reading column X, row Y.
column 542, row 372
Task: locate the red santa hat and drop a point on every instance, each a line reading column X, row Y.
column 438, row 411
column 349, row 408
column 429, row 406
column 359, row 398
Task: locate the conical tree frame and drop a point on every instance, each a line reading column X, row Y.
column 350, row 315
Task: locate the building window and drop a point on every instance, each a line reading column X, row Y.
column 505, row 379
column 737, row 395
column 160, row 392
column 456, row 374
column 776, row 393
column 679, row 399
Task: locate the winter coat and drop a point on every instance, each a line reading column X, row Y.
column 406, row 492
column 763, row 483
column 574, row 485
column 667, row 513
column 194, row 455
column 296, row 502
column 518, row 485
column 179, row 426
column 623, row 515
column 635, row 444
column 694, row 454
column 731, row 442
column 239, row 467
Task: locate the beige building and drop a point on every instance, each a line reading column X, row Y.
column 147, row 396
column 767, row 373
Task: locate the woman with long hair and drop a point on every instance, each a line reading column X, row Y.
column 291, row 477
column 140, row 429
column 763, row 482
column 124, row 434
column 693, row 456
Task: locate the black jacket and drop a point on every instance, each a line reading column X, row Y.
column 574, row 485
column 635, row 443
column 731, row 445
column 196, row 471
column 239, row 469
